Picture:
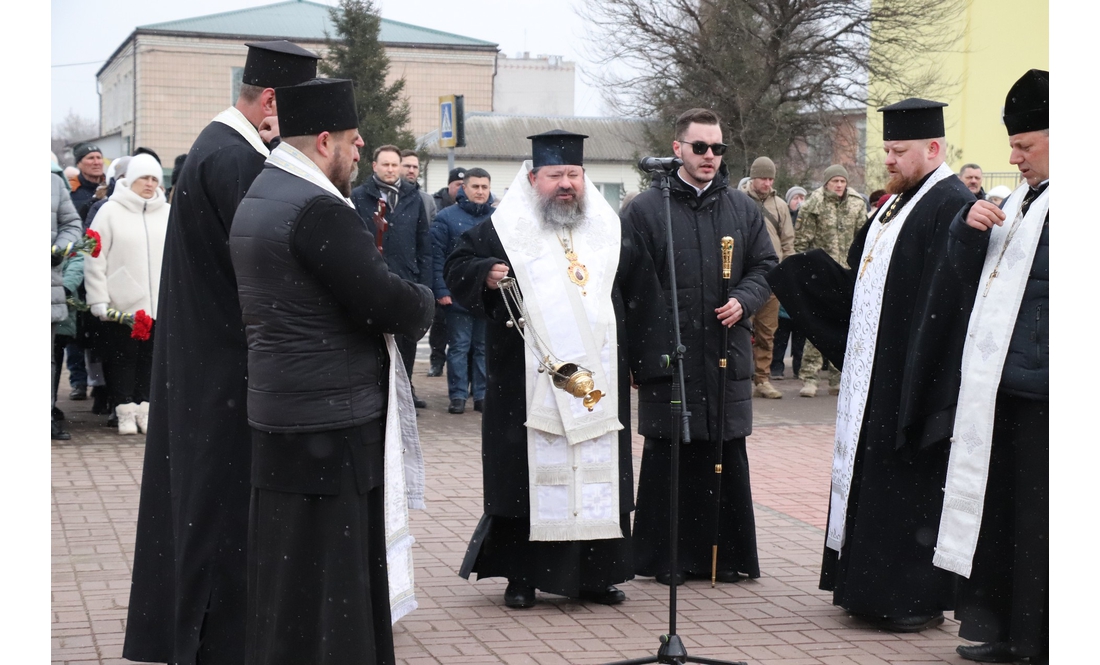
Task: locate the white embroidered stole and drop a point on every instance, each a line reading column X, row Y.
column 235, row 119
column 987, row 338
column 403, row 485
column 859, row 352
column 295, row 162
column 573, row 468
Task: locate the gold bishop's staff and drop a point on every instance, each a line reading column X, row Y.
column 723, row 360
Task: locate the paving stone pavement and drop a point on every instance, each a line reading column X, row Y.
column 780, row 618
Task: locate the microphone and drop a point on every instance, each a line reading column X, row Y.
column 652, row 164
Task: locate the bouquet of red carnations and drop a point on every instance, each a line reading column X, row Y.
column 141, row 324
column 90, row 244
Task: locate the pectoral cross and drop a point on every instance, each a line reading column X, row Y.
column 866, row 262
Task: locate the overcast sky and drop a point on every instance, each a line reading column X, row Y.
column 89, row 32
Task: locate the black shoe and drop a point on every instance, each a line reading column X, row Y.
column 911, row 624
column 78, row 393
column 609, row 596
column 664, row 578
column 479, row 405
column 435, row 370
column 990, row 652
column 58, row 434
column 419, row 403
column 457, row 406
column 777, row 377
column 101, row 404
column 518, row 595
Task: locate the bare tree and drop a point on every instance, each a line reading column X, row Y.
column 72, row 129
column 777, row 71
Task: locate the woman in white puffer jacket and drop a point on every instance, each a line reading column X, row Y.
column 125, row 277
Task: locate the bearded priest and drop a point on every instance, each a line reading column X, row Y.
column 558, row 480
column 887, row 477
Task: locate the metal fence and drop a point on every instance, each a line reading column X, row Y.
column 991, row 179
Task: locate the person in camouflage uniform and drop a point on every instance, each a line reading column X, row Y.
column 777, row 220
column 827, row 220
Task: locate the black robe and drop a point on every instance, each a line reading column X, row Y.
column 189, row 558
column 500, row 545
column 885, row 567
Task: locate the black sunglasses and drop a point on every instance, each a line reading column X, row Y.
column 700, row 147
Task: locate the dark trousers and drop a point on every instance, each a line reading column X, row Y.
column 784, row 333
column 60, row 342
column 1006, row 598
column 407, row 346
column 127, row 364
column 437, row 337
column 78, row 374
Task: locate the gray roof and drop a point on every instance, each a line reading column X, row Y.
column 497, row 136
column 303, row 21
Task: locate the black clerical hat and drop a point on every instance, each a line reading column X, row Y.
column 278, row 63
column 912, row 119
column 1027, row 106
column 557, row 147
column 318, row 105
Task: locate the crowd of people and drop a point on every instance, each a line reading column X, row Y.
column 274, row 378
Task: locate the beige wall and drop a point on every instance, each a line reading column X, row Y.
column 431, row 73
column 183, row 82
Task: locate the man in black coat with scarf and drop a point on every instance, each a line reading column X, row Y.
column 407, row 241
column 704, row 209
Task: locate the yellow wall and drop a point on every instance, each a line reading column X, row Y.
column 1002, row 40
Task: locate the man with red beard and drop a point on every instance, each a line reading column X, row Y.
column 869, row 319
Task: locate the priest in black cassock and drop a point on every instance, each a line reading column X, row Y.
column 329, row 402
column 887, row 480
column 558, row 479
column 995, row 341
column 187, row 602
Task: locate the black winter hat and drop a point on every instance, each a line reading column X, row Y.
column 1027, row 106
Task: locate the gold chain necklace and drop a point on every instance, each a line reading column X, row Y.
column 887, row 217
column 578, row 273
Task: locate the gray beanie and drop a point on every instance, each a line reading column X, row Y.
column 762, row 168
column 834, row 171
column 794, row 191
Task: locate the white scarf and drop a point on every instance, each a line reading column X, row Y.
column 235, row 119
column 295, row 162
column 859, row 352
column 572, row 453
column 404, row 463
column 987, row 338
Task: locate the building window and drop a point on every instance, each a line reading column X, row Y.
column 612, row 192
column 236, row 75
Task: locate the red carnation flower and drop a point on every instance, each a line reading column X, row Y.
column 95, row 241
column 143, row 325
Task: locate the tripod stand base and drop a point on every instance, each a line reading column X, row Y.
column 672, row 652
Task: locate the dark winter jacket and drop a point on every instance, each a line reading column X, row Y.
column 698, row 224
column 443, row 199
column 317, row 360
column 1026, row 370
column 407, row 243
column 448, row 227
column 83, row 196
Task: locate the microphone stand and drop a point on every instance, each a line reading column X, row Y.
column 672, row 650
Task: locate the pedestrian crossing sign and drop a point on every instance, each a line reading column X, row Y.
column 447, row 121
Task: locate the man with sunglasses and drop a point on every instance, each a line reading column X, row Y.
column 704, row 209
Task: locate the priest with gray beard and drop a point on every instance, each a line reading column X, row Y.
column 558, row 479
